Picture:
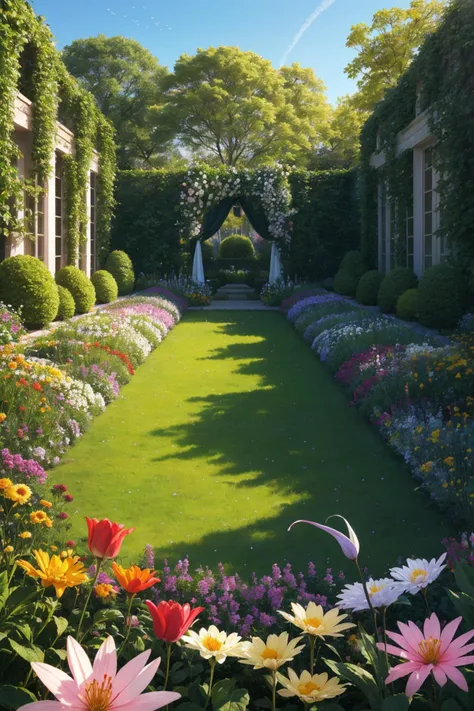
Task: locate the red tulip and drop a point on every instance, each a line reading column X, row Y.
column 171, row 620
column 105, row 538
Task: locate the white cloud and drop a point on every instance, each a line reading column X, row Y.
column 305, row 26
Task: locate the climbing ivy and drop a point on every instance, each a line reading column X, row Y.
column 50, row 87
column 440, row 81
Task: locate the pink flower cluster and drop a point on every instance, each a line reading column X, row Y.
column 154, row 312
column 28, row 468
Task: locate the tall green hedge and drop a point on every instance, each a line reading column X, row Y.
column 325, row 224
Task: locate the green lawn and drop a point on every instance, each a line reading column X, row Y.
column 230, row 431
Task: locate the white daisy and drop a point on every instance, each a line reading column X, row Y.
column 273, row 653
column 310, row 689
column 211, row 643
column 314, row 621
column 418, row 573
column 382, row 593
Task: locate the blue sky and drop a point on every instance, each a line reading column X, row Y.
column 169, row 28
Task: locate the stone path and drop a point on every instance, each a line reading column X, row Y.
column 235, row 306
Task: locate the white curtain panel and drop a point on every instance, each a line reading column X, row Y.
column 198, row 269
column 275, row 264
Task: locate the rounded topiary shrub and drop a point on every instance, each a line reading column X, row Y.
column 27, row 284
column 80, row 287
column 354, row 263
column 407, row 305
column 345, row 283
column 396, row 282
column 67, row 307
column 236, row 247
column 105, row 286
column 368, row 288
column 120, row 266
column 441, row 297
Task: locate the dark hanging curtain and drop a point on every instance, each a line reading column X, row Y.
column 215, row 216
column 252, row 206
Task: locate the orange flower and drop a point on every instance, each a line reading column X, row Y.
column 3, row 417
column 46, row 504
column 134, row 580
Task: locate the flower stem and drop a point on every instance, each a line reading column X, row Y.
column 312, row 644
column 169, row 651
column 369, row 602
column 128, row 623
column 97, row 571
column 425, row 595
column 212, row 663
column 274, row 689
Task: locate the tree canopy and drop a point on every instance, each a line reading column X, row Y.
column 235, row 106
column 126, row 81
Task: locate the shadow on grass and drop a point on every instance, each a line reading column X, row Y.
column 296, row 434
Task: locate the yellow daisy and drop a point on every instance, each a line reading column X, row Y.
column 310, row 689
column 19, row 493
column 314, row 621
column 273, row 653
column 61, row 573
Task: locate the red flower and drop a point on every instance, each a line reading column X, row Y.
column 105, row 538
column 68, row 498
column 62, row 516
column 70, row 544
column 37, row 386
column 172, row 620
column 20, row 434
column 24, row 382
column 60, row 487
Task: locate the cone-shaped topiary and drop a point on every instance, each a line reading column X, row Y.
column 408, row 305
column 80, row 287
column 396, row 282
column 236, row 247
column 441, row 297
column 368, row 288
column 345, row 283
column 67, row 307
column 353, row 262
column 105, row 286
column 120, row 266
column 27, row 284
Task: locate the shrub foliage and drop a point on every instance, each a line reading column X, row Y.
column 105, row 286
column 67, row 307
column 80, row 287
column 120, row 267
column 368, row 287
column 396, row 282
column 27, row 285
column 441, row 297
column 345, row 283
column 236, row 247
column 408, row 305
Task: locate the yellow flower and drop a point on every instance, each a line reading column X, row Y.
column 426, row 467
column 67, row 554
column 315, row 622
column 435, row 435
column 104, row 591
column 273, row 653
column 8, row 549
column 310, row 689
column 46, row 504
column 5, row 483
column 40, row 517
column 449, row 461
column 3, row 417
column 12, row 365
column 24, row 535
column 62, row 574
column 19, row 493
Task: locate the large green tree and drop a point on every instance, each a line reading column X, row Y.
column 342, row 137
column 126, row 81
column 236, row 108
column 386, row 48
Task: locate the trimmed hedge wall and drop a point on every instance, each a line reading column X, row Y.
column 325, row 225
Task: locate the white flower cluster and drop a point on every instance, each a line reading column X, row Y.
column 80, row 396
column 270, row 184
column 325, row 342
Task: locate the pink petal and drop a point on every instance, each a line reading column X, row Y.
column 404, row 644
column 137, row 684
column 448, row 633
column 452, row 654
column 439, row 675
column 456, row 677
column 57, row 682
column 390, row 649
column 47, row 706
column 129, row 672
column 462, row 639
column 78, row 661
column 350, row 546
column 151, row 701
column 105, row 662
column 402, row 670
column 458, row 661
column 432, row 628
column 417, row 679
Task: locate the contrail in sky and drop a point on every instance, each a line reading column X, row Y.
column 305, row 26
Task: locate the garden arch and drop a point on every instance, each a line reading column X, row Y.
column 207, row 195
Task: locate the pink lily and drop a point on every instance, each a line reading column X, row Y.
column 349, row 544
column 100, row 686
column 429, row 652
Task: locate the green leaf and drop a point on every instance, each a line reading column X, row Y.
column 189, row 706
column 331, row 707
column 399, row 702
column 4, row 591
column 361, row 678
column 61, row 625
column 29, row 653
column 12, row 697
column 61, row 653
column 451, row 705
column 464, row 604
column 197, row 694
column 225, row 697
column 107, row 615
column 463, row 579
column 180, row 675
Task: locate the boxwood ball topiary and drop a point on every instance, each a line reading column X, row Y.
column 236, row 247
column 345, row 283
column 408, row 305
column 120, row 266
column 353, row 262
column 396, row 282
column 105, row 286
column 79, row 285
column 441, row 297
column 27, row 284
column 368, row 288
column 67, row 307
